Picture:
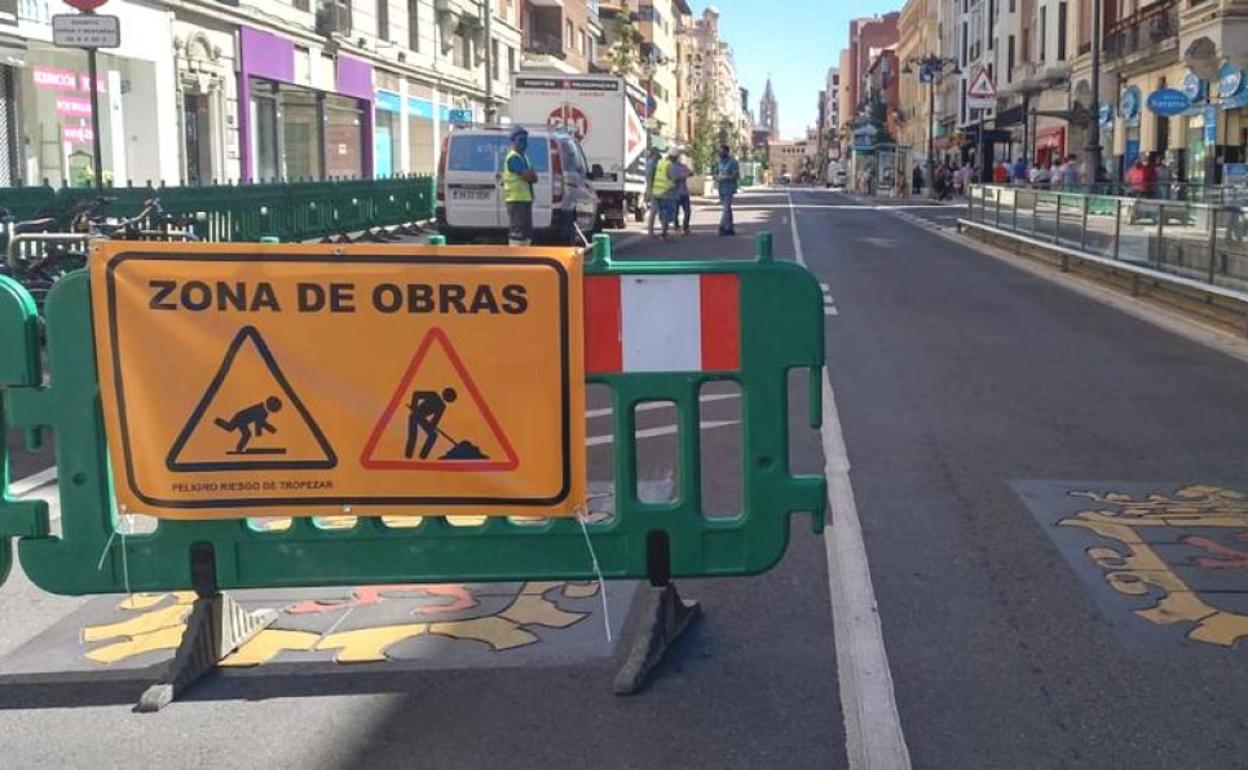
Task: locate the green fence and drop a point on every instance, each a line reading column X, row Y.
column 291, row 211
column 781, row 322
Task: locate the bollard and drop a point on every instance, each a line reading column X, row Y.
column 601, row 253
column 762, row 247
column 436, row 239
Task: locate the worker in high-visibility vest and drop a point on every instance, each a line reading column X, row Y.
column 664, row 190
column 518, row 179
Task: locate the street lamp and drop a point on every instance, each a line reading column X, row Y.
column 931, row 68
column 1092, row 153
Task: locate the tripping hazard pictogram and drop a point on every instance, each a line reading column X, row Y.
column 437, row 418
column 250, row 418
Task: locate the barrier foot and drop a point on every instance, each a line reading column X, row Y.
column 217, row 626
column 661, row 618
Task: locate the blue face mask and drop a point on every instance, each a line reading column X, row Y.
column 522, row 143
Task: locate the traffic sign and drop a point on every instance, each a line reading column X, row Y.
column 981, row 92
column 241, row 380
column 86, row 30
column 86, row 6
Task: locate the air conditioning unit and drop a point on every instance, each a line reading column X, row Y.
column 333, row 18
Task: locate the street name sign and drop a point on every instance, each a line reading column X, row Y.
column 86, row 30
column 252, row 379
column 981, row 93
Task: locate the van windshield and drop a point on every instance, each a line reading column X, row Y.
column 484, row 152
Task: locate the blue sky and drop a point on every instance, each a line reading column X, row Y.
column 794, row 41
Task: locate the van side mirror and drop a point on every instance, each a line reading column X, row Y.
column 596, row 171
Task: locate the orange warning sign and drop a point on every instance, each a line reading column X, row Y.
column 314, row 380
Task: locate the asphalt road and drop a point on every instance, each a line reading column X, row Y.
column 978, row 402
column 752, row 684
column 1053, row 507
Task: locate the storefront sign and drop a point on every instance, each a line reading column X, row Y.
column 1230, row 80
column 1129, row 105
column 73, row 107
column 79, row 134
column 388, row 101
column 1193, row 86
column 461, row 116
column 1168, row 102
column 56, row 79
column 86, row 30
column 1211, row 125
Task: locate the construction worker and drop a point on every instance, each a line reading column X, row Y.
column 663, row 189
column 518, row 180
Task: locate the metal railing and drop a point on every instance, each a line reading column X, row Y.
column 1194, row 241
column 1143, row 30
column 288, row 210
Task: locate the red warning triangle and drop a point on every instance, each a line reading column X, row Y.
column 437, row 419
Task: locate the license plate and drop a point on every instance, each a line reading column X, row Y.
column 471, row 195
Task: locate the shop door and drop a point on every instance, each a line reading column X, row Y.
column 383, row 158
column 197, row 133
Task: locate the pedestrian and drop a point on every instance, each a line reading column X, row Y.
column 1135, row 179
column 1070, row 173
column 1001, row 173
column 1164, row 178
column 1055, row 172
column 1039, row 176
column 652, row 207
column 684, row 203
column 1020, row 171
column 727, row 176
column 518, row 180
column 916, row 180
column 663, row 190
column 1150, row 177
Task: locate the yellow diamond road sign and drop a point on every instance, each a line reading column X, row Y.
column 244, row 380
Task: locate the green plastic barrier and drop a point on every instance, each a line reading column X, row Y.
column 781, row 321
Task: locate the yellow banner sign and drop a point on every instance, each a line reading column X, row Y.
column 246, row 380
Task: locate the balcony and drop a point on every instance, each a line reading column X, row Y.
column 1148, row 30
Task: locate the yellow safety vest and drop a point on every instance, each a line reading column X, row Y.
column 663, row 183
column 515, row 189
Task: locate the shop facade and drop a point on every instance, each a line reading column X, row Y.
column 53, row 136
column 305, row 114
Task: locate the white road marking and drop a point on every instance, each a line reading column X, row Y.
column 665, row 430
column 651, row 405
column 829, row 304
column 873, row 733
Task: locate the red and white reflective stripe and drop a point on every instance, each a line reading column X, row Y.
column 662, row 323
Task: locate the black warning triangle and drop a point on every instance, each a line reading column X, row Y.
column 253, row 432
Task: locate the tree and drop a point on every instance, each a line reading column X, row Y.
column 625, row 52
column 702, row 151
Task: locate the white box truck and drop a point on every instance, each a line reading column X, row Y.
column 605, row 114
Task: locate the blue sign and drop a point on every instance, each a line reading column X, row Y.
column 420, row 108
column 926, row 75
column 1131, row 152
column 1106, row 115
column 461, row 116
column 1168, row 102
column 1129, row 105
column 1230, row 80
column 388, row 101
column 1192, row 86
column 1211, row 125
column 1235, row 174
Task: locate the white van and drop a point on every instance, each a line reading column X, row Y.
column 470, row 194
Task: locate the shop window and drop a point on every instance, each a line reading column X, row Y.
column 301, row 133
column 55, row 134
column 343, row 132
column 264, row 136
